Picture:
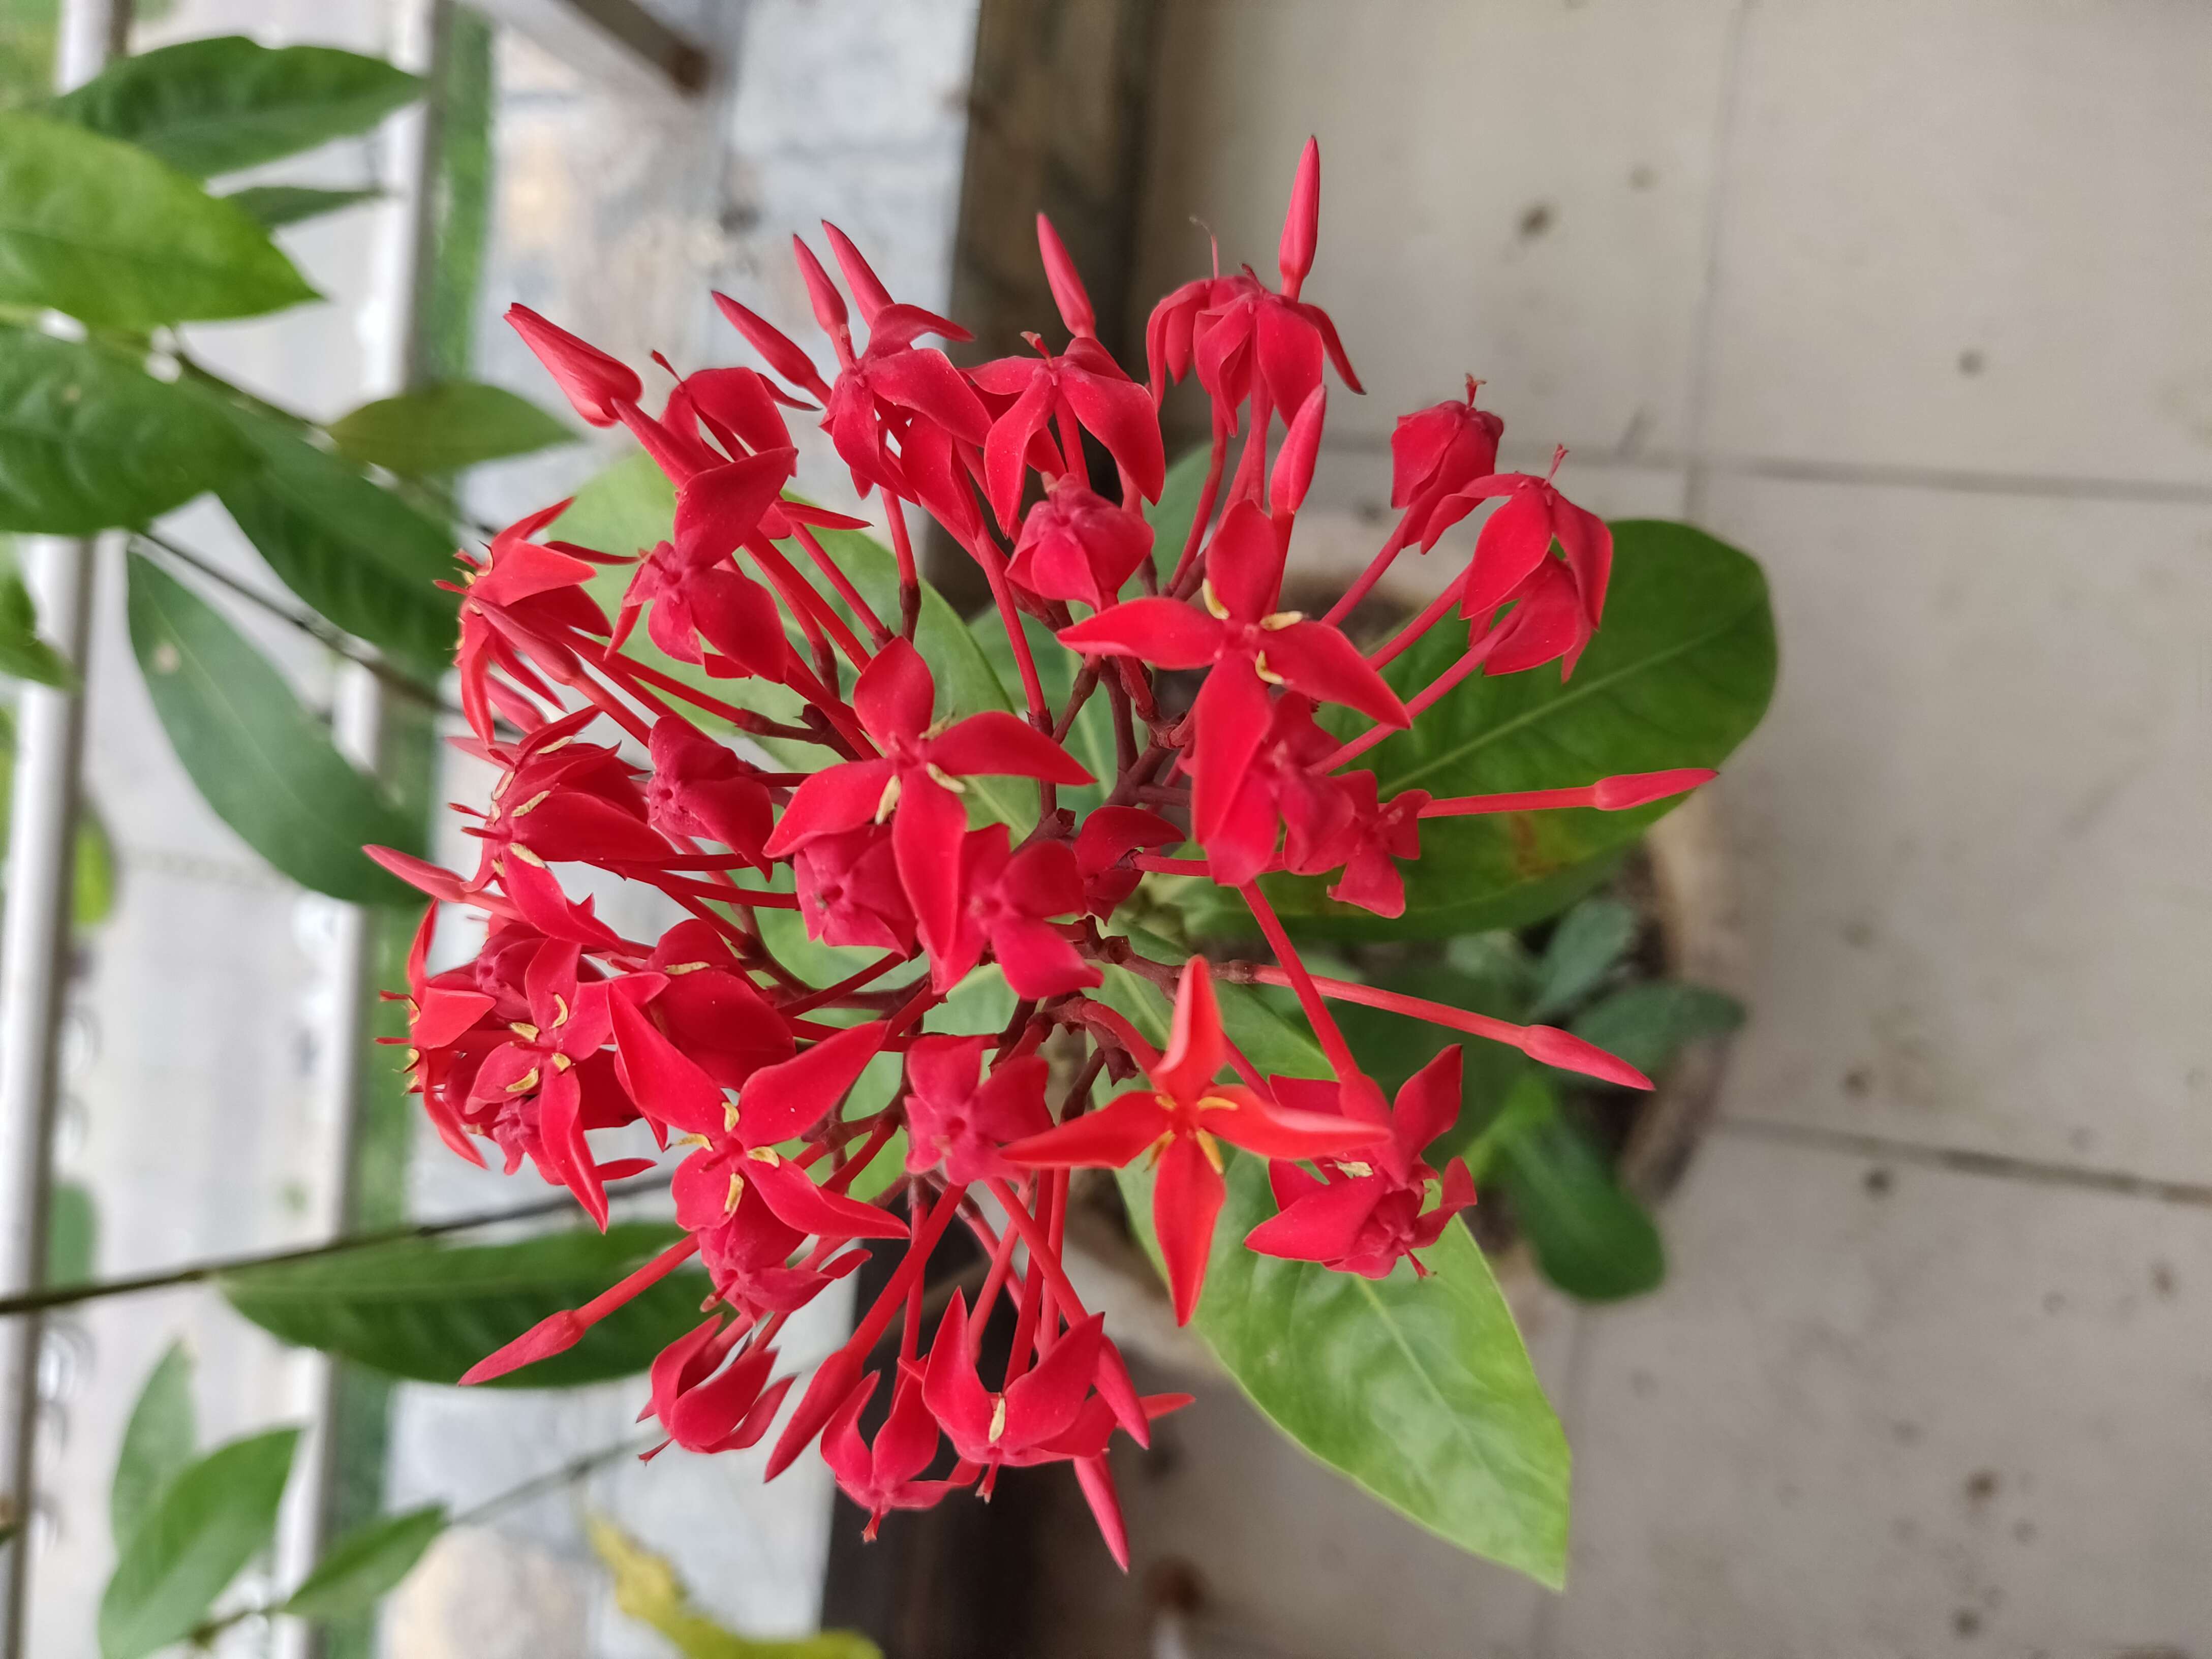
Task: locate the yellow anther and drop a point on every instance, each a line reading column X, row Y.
column 943, row 779
column 1357, row 1169
column 1260, row 667
column 1211, row 1148
column 889, row 798
column 525, row 1083
column 730, row 1115
column 737, row 1192
column 998, row 1418
column 1216, row 1103
column 693, row 1140
column 525, row 1029
column 557, row 743
column 528, row 856
column 534, row 800
column 1281, row 619
column 1213, row 604
column 676, row 969
column 506, row 782
column 561, row 1062
column 767, row 1155
column 561, row 1003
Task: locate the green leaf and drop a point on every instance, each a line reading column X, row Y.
column 72, row 1234
column 1418, row 1390
column 1648, row 1024
column 1090, row 739
column 366, row 1562
column 218, row 105
column 1583, row 947
column 159, row 1442
column 274, row 206
column 445, row 427
column 1679, row 675
column 92, row 872
column 428, row 1311
column 105, row 232
column 647, row 1589
column 214, row 1518
column 1590, row 1235
column 257, row 757
column 23, row 654
column 89, row 441
column 358, row 554
column 1171, row 516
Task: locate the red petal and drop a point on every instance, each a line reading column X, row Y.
column 1294, row 463
column 1259, row 1125
column 1096, row 1477
column 1121, row 413
column 780, row 1102
column 1105, row 1139
column 1067, row 284
column 1428, row 1102
column 1197, row 1048
column 954, row 1393
column 895, row 693
column 926, row 382
column 868, row 290
column 999, row 744
column 594, row 383
column 1322, row 1226
column 782, row 354
column 1167, row 632
column 1187, row 1196
column 1005, row 448
column 1229, row 718
column 796, row 1202
column 1513, row 539
column 717, row 509
column 1322, row 663
column 1588, row 542
column 1244, row 563
column 837, row 798
column 666, row 1084
column 1302, row 221
column 1039, row 962
column 927, row 832
column 1289, row 353
column 555, row 1334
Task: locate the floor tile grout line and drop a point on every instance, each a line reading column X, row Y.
column 1964, row 1160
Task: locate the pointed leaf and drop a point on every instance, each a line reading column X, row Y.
column 218, row 105
column 1418, row 1390
column 1591, row 1236
column 213, row 1519
column 1678, row 676
column 89, row 441
column 23, row 654
column 274, row 206
column 1647, row 1024
column 159, row 1441
column 366, row 1562
column 105, row 232
column 358, row 554
column 647, row 1589
column 428, row 1311
column 1583, row 947
column 258, row 757
column 445, row 427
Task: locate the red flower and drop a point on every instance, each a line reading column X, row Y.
column 1036, row 1417
column 1560, row 604
column 957, row 1119
column 1367, row 1212
column 1282, row 786
column 882, row 1478
column 1076, row 545
column 598, row 385
column 1180, row 1120
column 1250, row 645
column 915, row 784
column 1005, row 901
column 1087, row 383
column 1441, row 449
column 1103, row 847
column 849, row 891
column 704, row 1413
column 1379, row 836
column 700, row 788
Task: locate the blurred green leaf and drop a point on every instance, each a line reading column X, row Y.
column 1679, row 675
column 366, row 1562
column 108, row 233
column 445, row 427
column 214, row 1518
column 72, row 1234
column 1090, row 739
column 1171, row 516
column 1591, row 1237
column 1648, row 1024
column 1419, row 1389
column 359, row 555
column 92, row 872
column 274, row 206
column 159, row 1442
column 223, row 103
column 1589, row 940
column 89, row 441
column 23, row 654
column 429, row 1311
column 266, row 766
column 647, row 1589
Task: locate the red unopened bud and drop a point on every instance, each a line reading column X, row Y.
column 1301, row 223
column 822, row 293
column 1294, row 462
column 596, row 384
column 556, row 1333
column 1067, row 290
column 782, row 353
column 1547, row 1045
column 833, row 1380
column 868, row 291
column 1617, row 794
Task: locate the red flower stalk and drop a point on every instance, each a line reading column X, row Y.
column 770, row 1088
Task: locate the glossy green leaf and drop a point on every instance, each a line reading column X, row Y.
column 159, row 1442
column 1591, row 1237
column 89, row 441
column 107, row 233
column 648, row 1590
column 1647, row 1024
column 213, row 1519
column 23, row 654
column 72, row 1234
column 366, row 1562
column 1679, row 676
column 445, row 427
column 218, row 105
column 264, row 764
column 1584, row 948
column 274, row 206
column 360, row 556
column 1418, row 1390
column 428, row 1311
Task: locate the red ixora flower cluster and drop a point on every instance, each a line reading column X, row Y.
column 561, row 1028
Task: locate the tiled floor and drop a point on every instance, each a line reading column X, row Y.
column 1906, row 299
